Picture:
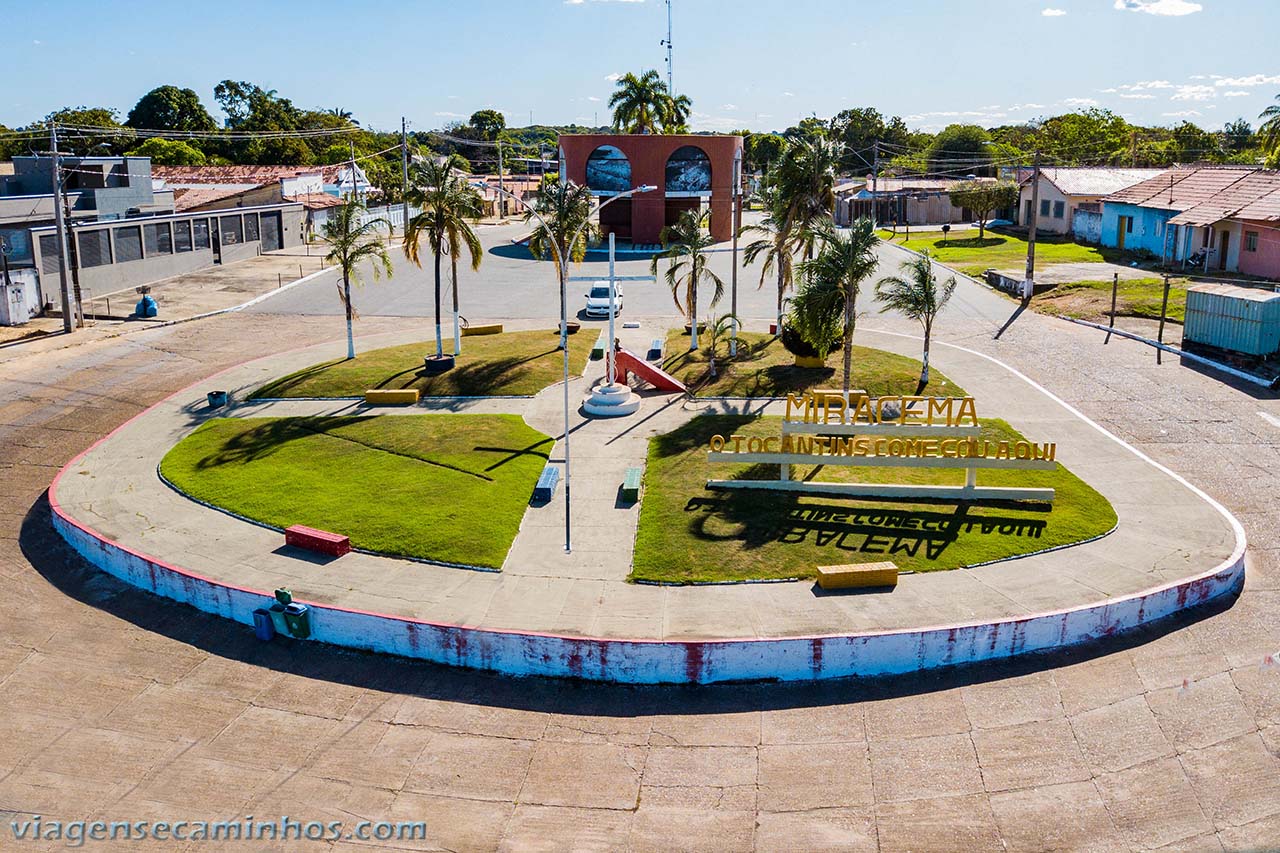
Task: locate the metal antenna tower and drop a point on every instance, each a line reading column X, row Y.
column 667, row 42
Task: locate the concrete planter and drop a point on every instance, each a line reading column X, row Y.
column 437, row 364
column 810, row 361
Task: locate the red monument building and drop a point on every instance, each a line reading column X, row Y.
column 687, row 170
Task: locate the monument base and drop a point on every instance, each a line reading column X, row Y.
column 611, row 400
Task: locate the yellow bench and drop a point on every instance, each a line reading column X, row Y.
column 389, row 396
column 492, row 329
column 858, row 575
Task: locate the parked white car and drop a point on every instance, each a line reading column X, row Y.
column 598, row 300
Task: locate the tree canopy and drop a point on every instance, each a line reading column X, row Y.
column 170, row 108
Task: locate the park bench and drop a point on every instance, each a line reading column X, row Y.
column 490, row 329
column 858, row 575
column 631, row 484
column 390, row 396
column 321, row 541
column 597, row 351
column 657, row 348
column 546, row 486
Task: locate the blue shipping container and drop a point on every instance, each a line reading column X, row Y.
column 1239, row 319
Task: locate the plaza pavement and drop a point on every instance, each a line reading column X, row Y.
column 118, row 704
column 116, row 489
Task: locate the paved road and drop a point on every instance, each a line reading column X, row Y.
column 118, row 705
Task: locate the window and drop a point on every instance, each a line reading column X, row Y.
column 128, row 244
column 49, row 261
column 250, row 227
column 1044, row 207
column 1251, row 241
column 95, row 248
column 1059, row 209
column 182, row 236
column 1128, row 224
column 231, row 230
column 159, row 240
column 200, row 233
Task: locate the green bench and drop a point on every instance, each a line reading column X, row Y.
column 631, row 484
column 597, row 351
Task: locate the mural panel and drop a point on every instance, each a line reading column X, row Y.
column 689, row 171
column 608, row 170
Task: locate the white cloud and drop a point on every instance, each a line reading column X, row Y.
column 37, row 41
column 1251, row 80
column 1194, row 92
column 584, row 2
column 788, row 94
column 1182, row 114
column 444, row 114
column 1079, row 102
column 614, row 77
column 1236, row 93
column 1169, row 8
column 1017, row 108
column 1053, row 13
column 589, row 98
column 1197, row 77
column 1137, row 96
column 728, row 106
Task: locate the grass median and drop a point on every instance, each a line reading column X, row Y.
column 972, row 255
column 509, row 364
column 451, row 487
column 764, row 368
column 1091, row 300
column 690, row 534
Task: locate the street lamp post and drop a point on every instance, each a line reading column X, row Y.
column 562, row 267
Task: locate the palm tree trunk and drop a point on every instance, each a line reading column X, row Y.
column 924, row 370
column 693, row 313
column 346, row 290
column 439, row 339
column 457, row 329
column 849, row 319
column 781, row 283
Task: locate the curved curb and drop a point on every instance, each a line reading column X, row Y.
column 645, row 661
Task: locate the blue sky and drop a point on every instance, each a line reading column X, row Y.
column 759, row 64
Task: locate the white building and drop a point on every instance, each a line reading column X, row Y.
column 1063, row 191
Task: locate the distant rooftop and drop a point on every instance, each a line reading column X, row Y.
column 1095, row 181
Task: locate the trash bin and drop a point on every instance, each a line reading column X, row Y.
column 276, row 612
column 217, row 399
column 263, row 625
column 298, row 618
column 284, row 595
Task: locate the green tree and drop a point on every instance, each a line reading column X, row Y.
column 342, row 115
column 170, row 108
column 915, row 294
column 639, row 104
column 958, row 150
column 773, row 248
column 675, row 115
column 169, row 152
column 488, row 123
column 113, row 139
column 1088, row 136
column 568, row 230
column 1269, row 134
column 445, row 203
column 1237, row 136
column 984, row 198
column 717, row 331
column 859, row 129
column 804, row 181
column 352, row 241
column 762, row 150
column 846, row 259
column 685, row 246
column 817, row 314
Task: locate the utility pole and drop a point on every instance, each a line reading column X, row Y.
column 355, row 195
column 1164, row 309
column 502, row 197
column 1029, row 284
column 404, row 175
column 60, row 223
column 875, row 173
column 73, row 262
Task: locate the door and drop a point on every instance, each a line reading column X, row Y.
column 270, row 232
column 1122, row 228
column 1224, row 239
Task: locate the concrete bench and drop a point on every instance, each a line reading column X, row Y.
column 545, row 489
column 657, row 348
column 597, row 351
column 491, row 329
column 631, row 484
column 858, row 575
column 322, row 541
column 391, row 396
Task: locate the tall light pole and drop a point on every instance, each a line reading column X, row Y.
column 562, row 268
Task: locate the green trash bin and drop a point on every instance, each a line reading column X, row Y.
column 277, row 618
column 298, row 618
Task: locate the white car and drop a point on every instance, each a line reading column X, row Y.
column 598, row 300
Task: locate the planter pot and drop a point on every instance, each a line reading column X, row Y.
column 571, row 328
column 437, row 364
column 811, row 361
column 688, row 328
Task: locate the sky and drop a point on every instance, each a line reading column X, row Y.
column 755, row 64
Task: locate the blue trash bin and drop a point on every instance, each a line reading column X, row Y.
column 263, row 628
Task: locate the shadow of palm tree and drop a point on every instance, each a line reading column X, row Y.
column 280, row 387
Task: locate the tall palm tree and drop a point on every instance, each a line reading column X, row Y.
column 685, row 246
column 446, row 203
column 915, row 293
column 1269, row 134
column 352, row 241
column 566, row 209
column 339, row 112
column 846, row 259
column 640, row 104
column 804, row 179
column 773, row 247
column 675, row 118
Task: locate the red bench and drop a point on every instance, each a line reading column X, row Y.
column 322, row 541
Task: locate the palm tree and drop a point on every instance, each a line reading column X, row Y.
column 641, row 103
column 845, row 260
column 351, row 241
column 774, row 248
column 676, row 114
column 915, row 293
column 1269, row 134
column 685, row 246
column 804, row 179
column 717, row 331
column 566, row 209
column 339, row 112
column 446, row 202
column 817, row 314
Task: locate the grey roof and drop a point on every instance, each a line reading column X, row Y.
column 1095, row 181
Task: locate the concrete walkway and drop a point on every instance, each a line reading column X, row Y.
column 115, row 489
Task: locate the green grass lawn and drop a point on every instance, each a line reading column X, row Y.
column 764, row 368
column 965, row 252
column 1091, row 300
column 689, row 533
column 513, row 363
column 439, row 487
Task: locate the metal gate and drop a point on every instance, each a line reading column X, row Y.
column 270, row 234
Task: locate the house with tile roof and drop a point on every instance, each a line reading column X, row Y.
column 1063, row 191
